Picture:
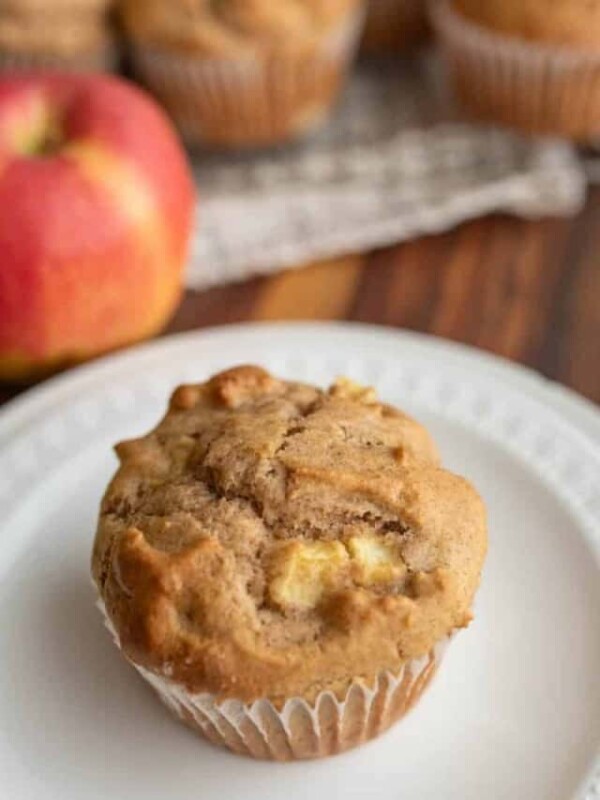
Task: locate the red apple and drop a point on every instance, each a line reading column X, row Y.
column 96, row 204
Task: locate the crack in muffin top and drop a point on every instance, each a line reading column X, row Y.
column 234, row 27
column 270, row 539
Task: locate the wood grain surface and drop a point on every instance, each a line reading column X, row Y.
column 529, row 291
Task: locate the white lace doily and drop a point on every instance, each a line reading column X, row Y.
column 392, row 163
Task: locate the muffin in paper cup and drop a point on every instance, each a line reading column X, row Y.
column 297, row 729
column 285, row 565
column 394, row 25
column 536, row 86
column 250, row 99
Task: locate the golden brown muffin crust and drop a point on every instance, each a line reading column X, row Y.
column 271, row 539
column 233, row 27
column 90, row 11
column 569, row 22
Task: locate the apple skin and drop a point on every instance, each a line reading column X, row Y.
column 96, row 211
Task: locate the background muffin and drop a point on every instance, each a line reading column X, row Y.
column 562, row 22
column 61, row 34
column 527, row 63
column 244, row 72
column 393, row 25
column 283, row 564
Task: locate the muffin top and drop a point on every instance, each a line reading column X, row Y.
column 570, row 22
column 270, row 539
column 47, row 8
column 223, row 28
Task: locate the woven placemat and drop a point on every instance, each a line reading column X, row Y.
column 394, row 162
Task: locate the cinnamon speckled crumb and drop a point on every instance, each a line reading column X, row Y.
column 266, row 539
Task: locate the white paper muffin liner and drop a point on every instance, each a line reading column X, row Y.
column 298, row 730
column 250, row 101
column 105, row 60
column 537, row 87
column 392, row 25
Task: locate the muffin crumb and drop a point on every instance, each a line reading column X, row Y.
column 265, row 540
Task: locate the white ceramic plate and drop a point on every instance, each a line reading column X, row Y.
column 515, row 710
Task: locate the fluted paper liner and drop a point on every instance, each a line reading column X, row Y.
column 250, row 101
column 392, row 25
column 537, row 87
column 104, row 60
column 298, row 730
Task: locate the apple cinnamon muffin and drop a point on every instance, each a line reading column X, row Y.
column 243, row 72
column 74, row 35
column 285, row 565
column 532, row 64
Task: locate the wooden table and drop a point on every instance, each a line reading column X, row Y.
column 529, row 291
